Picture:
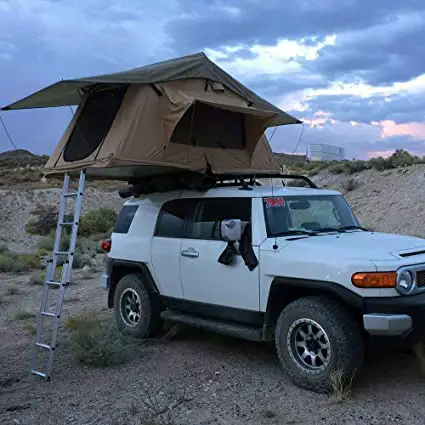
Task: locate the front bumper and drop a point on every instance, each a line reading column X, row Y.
column 402, row 316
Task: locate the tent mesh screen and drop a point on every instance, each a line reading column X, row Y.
column 94, row 123
column 209, row 127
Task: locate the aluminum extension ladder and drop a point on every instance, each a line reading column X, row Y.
column 46, row 333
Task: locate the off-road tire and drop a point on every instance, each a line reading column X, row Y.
column 344, row 337
column 150, row 323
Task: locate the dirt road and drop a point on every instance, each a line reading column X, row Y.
column 191, row 378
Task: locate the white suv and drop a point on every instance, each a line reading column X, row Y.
column 284, row 264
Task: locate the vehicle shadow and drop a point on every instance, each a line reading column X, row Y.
column 385, row 364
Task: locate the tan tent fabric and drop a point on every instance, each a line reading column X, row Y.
column 142, row 132
column 181, row 114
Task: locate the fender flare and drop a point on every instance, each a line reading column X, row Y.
column 133, row 267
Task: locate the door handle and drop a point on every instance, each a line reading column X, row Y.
column 191, row 253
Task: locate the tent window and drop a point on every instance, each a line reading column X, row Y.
column 209, row 127
column 93, row 124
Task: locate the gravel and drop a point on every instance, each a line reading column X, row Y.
column 193, row 378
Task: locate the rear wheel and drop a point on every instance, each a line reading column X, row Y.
column 136, row 309
column 317, row 339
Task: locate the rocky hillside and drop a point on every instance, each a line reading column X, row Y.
column 387, row 200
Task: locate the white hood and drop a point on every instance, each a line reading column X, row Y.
column 360, row 245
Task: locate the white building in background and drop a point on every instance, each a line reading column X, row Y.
column 322, row 152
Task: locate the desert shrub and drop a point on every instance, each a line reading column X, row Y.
column 357, row 166
column 338, row 168
column 12, row 290
column 3, row 248
column 379, row 164
column 97, row 343
column 350, row 184
column 11, row 262
column 101, row 220
column 7, row 263
column 36, row 279
column 24, row 315
column 44, row 222
column 80, row 259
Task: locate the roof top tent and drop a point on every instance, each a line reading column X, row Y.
column 147, row 126
column 180, row 114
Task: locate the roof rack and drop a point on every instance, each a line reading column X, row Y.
column 202, row 182
column 252, row 178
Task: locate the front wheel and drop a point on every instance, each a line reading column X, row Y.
column 317, row 338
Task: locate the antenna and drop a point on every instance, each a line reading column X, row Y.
column 275, row 246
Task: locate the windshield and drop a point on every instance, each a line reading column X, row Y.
column 307, row 214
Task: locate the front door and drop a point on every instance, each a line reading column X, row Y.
column 204, row 279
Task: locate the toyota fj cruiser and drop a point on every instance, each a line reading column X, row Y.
column 266, row 263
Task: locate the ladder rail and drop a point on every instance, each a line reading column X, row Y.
column 54, row 316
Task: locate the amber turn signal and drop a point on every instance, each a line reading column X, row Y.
column 374, row 280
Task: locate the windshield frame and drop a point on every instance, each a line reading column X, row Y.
column 341, row 199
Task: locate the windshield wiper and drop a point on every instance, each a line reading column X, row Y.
column 330, row 229
column 353, row 227
column 296, row 232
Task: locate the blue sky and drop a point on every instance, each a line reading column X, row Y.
column 352, row 70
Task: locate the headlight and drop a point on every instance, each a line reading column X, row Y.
column 405, row 282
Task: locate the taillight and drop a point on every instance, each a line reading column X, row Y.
column 106, row 245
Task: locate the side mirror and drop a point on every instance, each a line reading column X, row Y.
column 231, row 230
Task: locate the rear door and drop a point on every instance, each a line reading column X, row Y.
column 166, row 246
column 204, row 279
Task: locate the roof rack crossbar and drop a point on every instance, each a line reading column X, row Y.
column 254, row 176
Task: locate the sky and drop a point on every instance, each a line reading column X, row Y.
column 352, row 70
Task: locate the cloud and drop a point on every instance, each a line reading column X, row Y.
column 400, row 108
column 66, row 39
column 352, row 69
column 380, row 54
column 262, row 22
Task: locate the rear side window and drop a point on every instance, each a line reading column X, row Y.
column 172, row 218
column 125, row 218
column 212, row 211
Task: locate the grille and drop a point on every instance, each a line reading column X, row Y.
column 420, row 279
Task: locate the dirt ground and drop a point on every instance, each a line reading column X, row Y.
column 192, row 378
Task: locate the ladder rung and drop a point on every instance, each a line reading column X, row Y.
column 48, row 314
column 61, row 253
column 66, row 223
column 70, row 194
column 41, row 345
column 52, row 283
column 37, row 372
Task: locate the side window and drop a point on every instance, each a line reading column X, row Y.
column 212, row 211
column 125, row 218
column 171, row 220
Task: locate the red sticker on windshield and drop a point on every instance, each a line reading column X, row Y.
column 274, row 202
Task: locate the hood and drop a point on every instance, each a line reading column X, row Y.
column 362, row 245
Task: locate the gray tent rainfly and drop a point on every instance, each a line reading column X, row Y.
column 180, row 114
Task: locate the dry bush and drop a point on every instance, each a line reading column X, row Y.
column 36, row 279
column 101, row 220
column 45, row 220
column 24, row 315
column 97, row 343
column 340, row 386
column 11, row 262
column 12, row 290
column 350, row 184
